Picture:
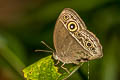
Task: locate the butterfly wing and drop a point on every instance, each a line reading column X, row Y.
column 67, row 48
column 69, row 44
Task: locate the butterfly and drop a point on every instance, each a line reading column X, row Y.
column 73, row 42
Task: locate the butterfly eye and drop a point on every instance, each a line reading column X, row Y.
column 88, row 44
column 72, row 26
column 65, row 17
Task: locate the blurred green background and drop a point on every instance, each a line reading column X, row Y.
column 24, row 23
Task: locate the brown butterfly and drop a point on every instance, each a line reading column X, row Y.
column 73, row 42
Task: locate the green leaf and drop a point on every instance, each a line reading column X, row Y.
column 44, row 69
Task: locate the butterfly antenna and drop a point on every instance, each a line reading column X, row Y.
column 43, row 51
column 47, row 46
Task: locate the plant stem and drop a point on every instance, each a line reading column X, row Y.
column 12, row 59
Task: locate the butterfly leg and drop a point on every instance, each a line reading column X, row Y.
column 62, row 66
column 57, row 62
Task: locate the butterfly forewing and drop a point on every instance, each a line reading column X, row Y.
column 69, row 45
